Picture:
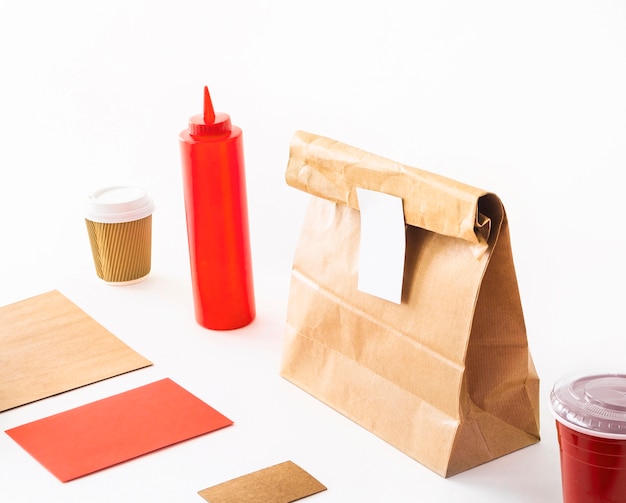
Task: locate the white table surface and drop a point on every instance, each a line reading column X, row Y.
column 525, row 99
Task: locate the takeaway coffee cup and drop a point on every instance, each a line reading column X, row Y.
column 590, row 412
column 119, row 224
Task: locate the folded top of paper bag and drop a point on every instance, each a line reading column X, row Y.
column 332, row 170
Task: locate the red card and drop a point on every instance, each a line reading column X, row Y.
column 115, row 429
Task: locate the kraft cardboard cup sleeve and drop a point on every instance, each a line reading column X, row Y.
column 119, row 224
column 590, row 412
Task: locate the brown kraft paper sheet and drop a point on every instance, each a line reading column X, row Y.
column 48, row 345
column 281, row 483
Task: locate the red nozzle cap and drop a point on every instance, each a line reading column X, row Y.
column 209, row 123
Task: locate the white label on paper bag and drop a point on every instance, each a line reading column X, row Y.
column 383, row 245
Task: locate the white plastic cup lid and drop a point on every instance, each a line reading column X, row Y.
column 594, row 404
column 118, row 204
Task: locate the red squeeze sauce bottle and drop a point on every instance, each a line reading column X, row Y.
column 217, row 220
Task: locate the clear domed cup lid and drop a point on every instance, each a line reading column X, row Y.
column 592, row 403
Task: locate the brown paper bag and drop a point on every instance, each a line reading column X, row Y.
column 445, row 376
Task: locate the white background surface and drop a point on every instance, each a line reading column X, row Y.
column 525, row 99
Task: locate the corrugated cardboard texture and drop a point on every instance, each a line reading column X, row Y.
column 282, row 483
column 122, row 252
column 48, row 345
column 446, row 376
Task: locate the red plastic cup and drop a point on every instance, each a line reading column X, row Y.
column 590, row 412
